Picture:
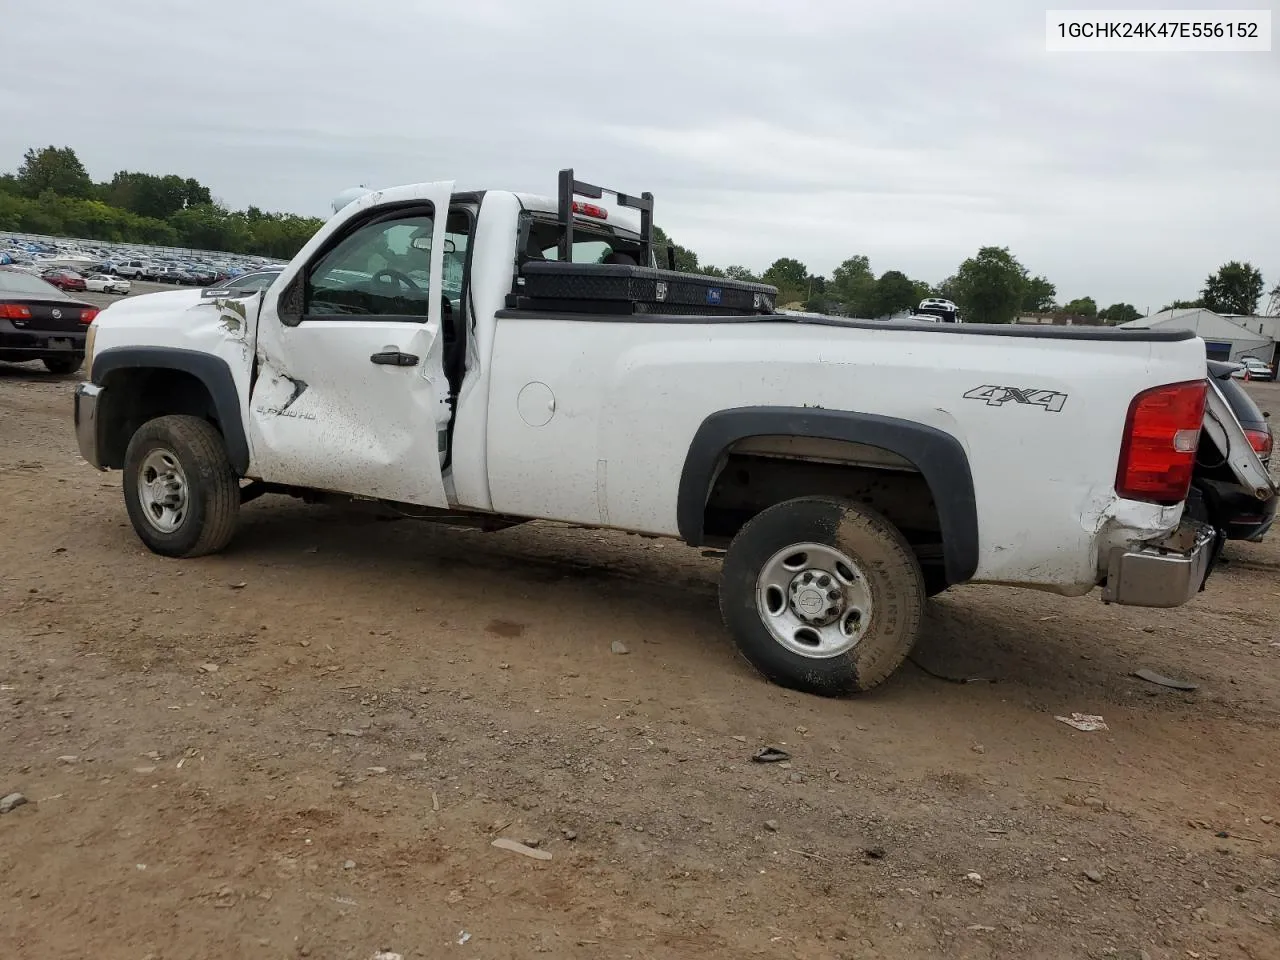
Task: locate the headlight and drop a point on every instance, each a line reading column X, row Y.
column 89, row 337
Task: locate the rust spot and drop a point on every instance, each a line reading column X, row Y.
column 505, row 628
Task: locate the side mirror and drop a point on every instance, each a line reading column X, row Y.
column 290, row 304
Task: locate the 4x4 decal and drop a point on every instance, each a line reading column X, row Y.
column 1051, row 400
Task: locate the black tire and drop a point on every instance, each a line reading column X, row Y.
column 63, row 365
column 212, row 501
column 890, row 574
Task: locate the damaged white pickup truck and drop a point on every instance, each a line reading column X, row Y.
column 486, row 358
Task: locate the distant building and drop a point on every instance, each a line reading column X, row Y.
column 1226, row 338
column 1265, row 326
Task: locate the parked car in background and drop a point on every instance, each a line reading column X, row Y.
column 134, row 269
column 40, row 322
column 104, row 283
column 65, row 279
column 944, row 310
column 1217, row 497
column 1251, row 368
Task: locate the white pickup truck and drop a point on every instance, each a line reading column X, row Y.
column 485, row 358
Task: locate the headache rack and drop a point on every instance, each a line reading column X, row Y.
column 616, row 288
column 570, row 188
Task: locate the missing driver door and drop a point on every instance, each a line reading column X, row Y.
column 351, row 394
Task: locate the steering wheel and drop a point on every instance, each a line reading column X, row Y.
column 399, row 277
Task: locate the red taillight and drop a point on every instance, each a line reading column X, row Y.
column 13, row 311
column 1161, row 434
column 1260, row 440
column 590, row 210
column 86, row 316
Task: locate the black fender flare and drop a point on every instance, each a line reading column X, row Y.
column 212, row 371
column 940, row 458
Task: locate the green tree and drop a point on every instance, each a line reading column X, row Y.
column 1235, row 288
column 853, row 286
column 737, row 272
column 151, row 196
column 278, row 234
column 210, row 227
column 1119, row 313
column 1182, row 305
column 894, row 291
column 1081, row 307
column 54, row 169
column 49, row 195
column 787, row 272
column 791, row 277
column 923, row 291
column 707, row 270
column 1038, row 295
column 989, row 286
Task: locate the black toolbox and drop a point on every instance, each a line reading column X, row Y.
column 552, row 285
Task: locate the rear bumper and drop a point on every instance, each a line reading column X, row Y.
column 1163, row 573
column 86, row 420
column 38, row 344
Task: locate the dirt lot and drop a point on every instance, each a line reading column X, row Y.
column 305, row 748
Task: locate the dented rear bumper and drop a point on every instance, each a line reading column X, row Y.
column 1162, row 573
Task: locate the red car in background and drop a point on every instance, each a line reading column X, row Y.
column 64, row 279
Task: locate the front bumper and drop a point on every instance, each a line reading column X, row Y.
column 1164, row 573
column 86, row 420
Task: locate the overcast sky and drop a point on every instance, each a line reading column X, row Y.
column 913, row 133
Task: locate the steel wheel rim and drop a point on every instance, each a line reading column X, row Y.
column 814, row 600
column 162, row 490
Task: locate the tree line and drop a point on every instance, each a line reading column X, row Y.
column 52, row 193
column 990, row 287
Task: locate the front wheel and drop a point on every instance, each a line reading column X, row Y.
column 822, row 595
column 182, row 496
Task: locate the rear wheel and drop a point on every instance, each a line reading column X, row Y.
column 182, row 496
column 822, row 595
column 63, row 365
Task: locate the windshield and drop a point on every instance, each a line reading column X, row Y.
column 24, row 284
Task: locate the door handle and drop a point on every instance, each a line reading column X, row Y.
column 394, row 358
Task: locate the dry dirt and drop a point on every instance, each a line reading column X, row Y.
column 306, row 746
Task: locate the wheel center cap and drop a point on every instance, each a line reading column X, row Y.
column 816, row 597
column 809, row 601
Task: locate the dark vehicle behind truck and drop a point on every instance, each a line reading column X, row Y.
column 1216, row 495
